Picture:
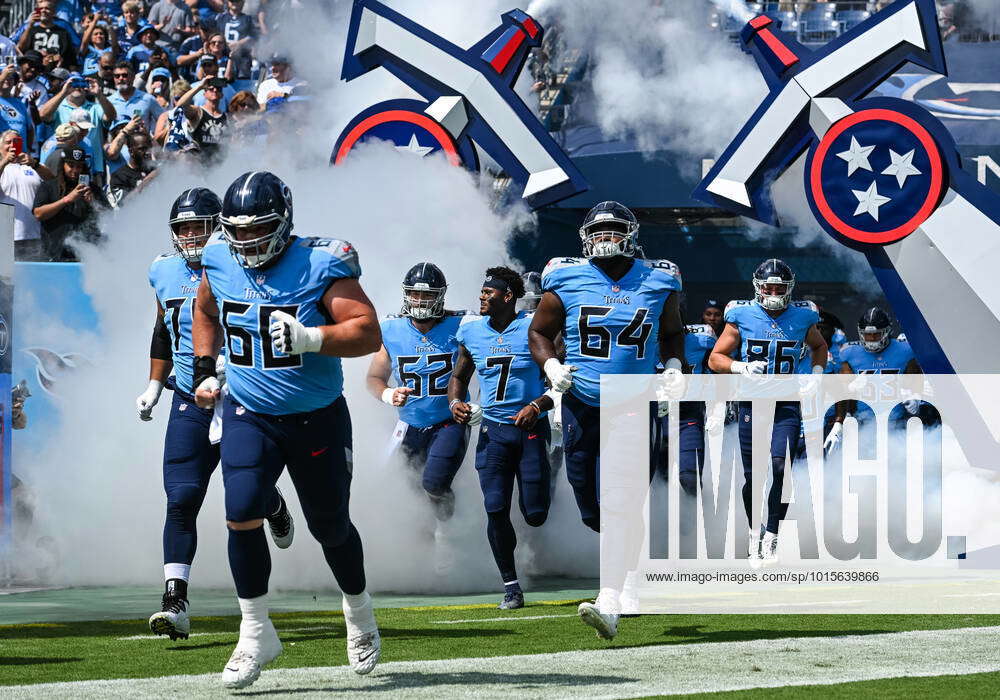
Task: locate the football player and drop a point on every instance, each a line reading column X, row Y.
column 419, row 349
column 290, row 307
column 768, row 333
column 513, row 439
column 190, row 452
column 712, row 316
column 618, row 314
column 875, row 353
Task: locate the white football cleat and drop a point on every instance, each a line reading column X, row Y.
column 606, row 624
column 754, row 551
column 172, row 620
column 364, row 645
column 769, row 549
column 250, row 656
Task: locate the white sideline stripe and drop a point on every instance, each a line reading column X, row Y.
column 807, row 605
column 613, row 672
column 500, row 619
column 234, row 634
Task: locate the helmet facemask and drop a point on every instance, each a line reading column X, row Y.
column 429, row 304
column 191, row 244
column 773, row 302
column 877, row 345
column 260, row 250
column 609, row 237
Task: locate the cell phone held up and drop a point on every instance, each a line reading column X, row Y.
column 84, row 180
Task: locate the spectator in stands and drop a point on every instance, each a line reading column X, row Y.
column 69, row 134
column 29, row 66
column 15, row 114
column 194, row 48
column 66, row 206
column 138, row 171
column 246, row 121
column 8, row 50
column 139, row 55
column 208, row 126
column 218, row 48
column 106, row 74
column 129, row 101
column 208, row 68
column 128, row 31
column 96, row 42
column 241, row 34
column 44, row 33
column 174, row 20
column 20, row 177
column 281, row 83
column 167, row 120
column 83, row 102
column 158, row 59
column 159, row 87
column 115, row 150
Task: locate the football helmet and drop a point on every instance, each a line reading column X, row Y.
column 423, row 292
column 607, row 220
column 532, row 291
column 773, row 272
column 874, row 322
column 256, row 198
column 198, row 204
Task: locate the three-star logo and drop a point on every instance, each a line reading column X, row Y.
column 875, row 176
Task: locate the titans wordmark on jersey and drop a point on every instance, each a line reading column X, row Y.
column 508, row 377
column 176, row 286
column 778, row 340
column 611, row 325
column 423, row 362
column 259, row 376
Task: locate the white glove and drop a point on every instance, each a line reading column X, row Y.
column 396, row 396
column 833, row 439
column 716, row 420
column 808, row 384
column 748, row 368
column 560, row 375
column 911, row 401
column 475, row 414
column 210, row 385
column 147, row 399
column 291, row 337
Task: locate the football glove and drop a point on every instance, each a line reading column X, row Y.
column 748, row 368
column 147, row 399
column 475, row 414
column 560, row 375
column 833, row 439
column 291, row 337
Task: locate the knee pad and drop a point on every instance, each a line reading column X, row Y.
column 185, row 497
column 536, row 519
column 330, row 532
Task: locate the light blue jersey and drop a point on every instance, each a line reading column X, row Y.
column 611, row 326
column 423, row 362
column 176, row 287
column 892, row 360
column 699, row 339
column 779, row 341
column 260, row 377
column 508, row 378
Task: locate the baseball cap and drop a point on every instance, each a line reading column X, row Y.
column 146, row 27
column 119, row 123
column 74, row 154
column 159, row 73
column 65, row 131
column 81, row 118
column 207, row 58
column 59, row 74
column 31, row 56
column 279, row 58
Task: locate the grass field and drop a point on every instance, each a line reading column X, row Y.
column 542, row 650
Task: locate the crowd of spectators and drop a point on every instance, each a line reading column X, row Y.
column 96, row 94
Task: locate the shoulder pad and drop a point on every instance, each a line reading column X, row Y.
column 852, row 344
column 390, row 317
column 339, row 249
column 736, row 303
column 558, row 263
column 805, row 304
column 665, row 265
column 456, row 312
column 162, row 257
column 468, row 317
column 700, row 329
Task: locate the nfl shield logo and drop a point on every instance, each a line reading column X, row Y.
column 261, row 279
column 500, row 339
column 182, row 407
column 240, row 410
column 615, row 288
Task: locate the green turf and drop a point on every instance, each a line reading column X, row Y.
column 47, row 652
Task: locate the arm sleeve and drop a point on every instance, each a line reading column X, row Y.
column 159, row 345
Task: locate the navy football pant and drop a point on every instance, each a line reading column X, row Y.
column 440, row 449
column 581, row 453
column 505, row 454
column 691, row 448
column 189, row 459
column 784, row 440
column 316, row 448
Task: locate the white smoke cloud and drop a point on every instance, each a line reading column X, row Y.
column 98, row 483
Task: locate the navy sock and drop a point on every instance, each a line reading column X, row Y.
column 347, row 562
column 514, row 587
column 500, row 533
column 250, row 562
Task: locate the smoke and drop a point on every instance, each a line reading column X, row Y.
column 98, row 482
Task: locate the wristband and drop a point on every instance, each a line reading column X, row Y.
column 204, row 367
column 453, row 402
column 537, row 407
column 387, row 394
column 818, row 369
